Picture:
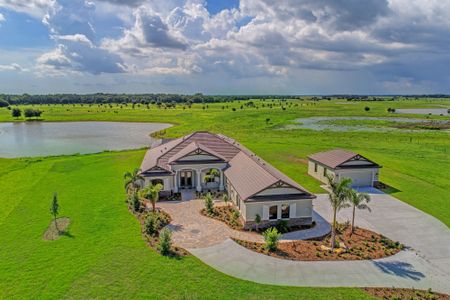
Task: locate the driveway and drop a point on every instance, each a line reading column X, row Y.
column 425, row 265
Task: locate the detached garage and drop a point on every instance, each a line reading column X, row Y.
column 343, row 164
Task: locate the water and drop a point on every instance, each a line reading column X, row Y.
column 423, row 111
column 317, row 123
column 56, row 138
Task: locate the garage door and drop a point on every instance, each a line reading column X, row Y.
column 359, row 178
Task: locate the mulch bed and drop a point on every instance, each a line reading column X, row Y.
column 405, row 294
column 52, row 233
column 363, row 244
column 225, row 214
column 153, row 240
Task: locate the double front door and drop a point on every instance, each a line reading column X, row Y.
column 186, row 179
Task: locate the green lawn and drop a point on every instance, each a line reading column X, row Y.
column 107, row 258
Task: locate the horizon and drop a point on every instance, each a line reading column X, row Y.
column 221, row 48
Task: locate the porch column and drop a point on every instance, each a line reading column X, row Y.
column 221, row 180
column 175, row 182
column 199, row 180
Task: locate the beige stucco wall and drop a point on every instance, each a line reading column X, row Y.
column 303, row 208
column 319, row 174
column 168, row 181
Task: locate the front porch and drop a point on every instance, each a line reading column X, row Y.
column 200, row 178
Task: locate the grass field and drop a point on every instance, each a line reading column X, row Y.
column 106, row 257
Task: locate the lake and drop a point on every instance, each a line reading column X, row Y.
column 56, row 138
column 423, row 111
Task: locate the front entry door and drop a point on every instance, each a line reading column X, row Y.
column 186, row 179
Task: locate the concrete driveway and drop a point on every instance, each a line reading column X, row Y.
column 425, row 265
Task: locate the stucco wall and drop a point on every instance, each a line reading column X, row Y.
column 303, row 209
column 319, row 174
column 168, row 181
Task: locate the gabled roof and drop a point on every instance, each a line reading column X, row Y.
column 192, row 148
column 248, row 173
column 335, row 158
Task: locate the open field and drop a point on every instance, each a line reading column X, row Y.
column 106, row 256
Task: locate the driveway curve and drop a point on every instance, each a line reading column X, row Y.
column 426, row 264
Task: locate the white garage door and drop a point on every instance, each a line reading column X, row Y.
column 359, row 178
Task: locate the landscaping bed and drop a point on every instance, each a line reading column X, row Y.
column 53, row 233
column 405, row 294
column 226, row 214
column 362, row 244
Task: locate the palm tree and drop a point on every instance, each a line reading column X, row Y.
column 358, row 201
column 151, row 193
column 211, row 175
column 133, row 180
column 338, row 195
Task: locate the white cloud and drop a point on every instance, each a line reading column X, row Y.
column 12, row 67
column 2, row 18
column 35, row 8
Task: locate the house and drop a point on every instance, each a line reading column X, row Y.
column 205, row 161
column 343, row 164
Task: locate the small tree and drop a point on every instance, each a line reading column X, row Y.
column 134, row 202
column 366, row 108
column 257, row 221
column 358, row 201
column 151, row 193
column 133, row 180
column 165, row 241
column 271, row 237
column 338, row 196
column 209, row 204
column 16, row 113
column 152, row 223
column 54, row 209
column 225, row 199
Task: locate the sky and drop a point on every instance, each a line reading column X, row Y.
column 225, row 46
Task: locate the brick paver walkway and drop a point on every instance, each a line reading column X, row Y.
column 190, row 229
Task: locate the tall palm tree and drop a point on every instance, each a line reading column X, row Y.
column 151, row 193
column 133, row 180
column 338, row 196
column 358, row 201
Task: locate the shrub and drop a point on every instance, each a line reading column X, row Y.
column 271, row 237
column 152, row 223
column 30, row 113
column 282, row 226
column 235, row 216
column 134, row 202
column 257, row 221
column 165, row 241
column 16, row 113
column 209, row 204
column 366, row 108
column 3, row 103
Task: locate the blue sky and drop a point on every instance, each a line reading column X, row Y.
column 225, row 47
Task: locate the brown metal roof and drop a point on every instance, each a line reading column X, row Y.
column 333, row 158
column 248, row 173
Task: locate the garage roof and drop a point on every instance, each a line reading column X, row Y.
column 335, row 158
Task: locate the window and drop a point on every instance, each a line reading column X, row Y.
column 273, row 212
column 285, row 211
column 158, row 181
column 315, row 167
column 324, row 172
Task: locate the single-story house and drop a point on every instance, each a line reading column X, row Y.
column 343, row 164
column 205, row 161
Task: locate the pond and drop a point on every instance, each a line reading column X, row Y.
column 356, row 123
column 57, row 138
column 423, row 111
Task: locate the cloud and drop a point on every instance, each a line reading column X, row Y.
column 12, row 67
column 2, row 18
column 35, row 8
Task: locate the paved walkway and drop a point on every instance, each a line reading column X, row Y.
column 192, row 230
column 425, row 265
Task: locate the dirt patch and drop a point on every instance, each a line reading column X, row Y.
column 53, row 233
column 362, row 244
column 225, row 214
column 297, row 160
column 405, row 294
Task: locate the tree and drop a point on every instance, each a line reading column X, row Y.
column 133, row 180
column 165, row 241
column 16, row 113
column 152, row 223
column 211, row 175
column 338, row 196
column 3, row 103
column 30, row 113
column 151, row 193
column 257, row 221
column 209, row 204
column 358, row 201
column 271, row 237
column 366, row 108
column 54, row 209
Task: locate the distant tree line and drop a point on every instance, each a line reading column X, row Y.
column 128, row 98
